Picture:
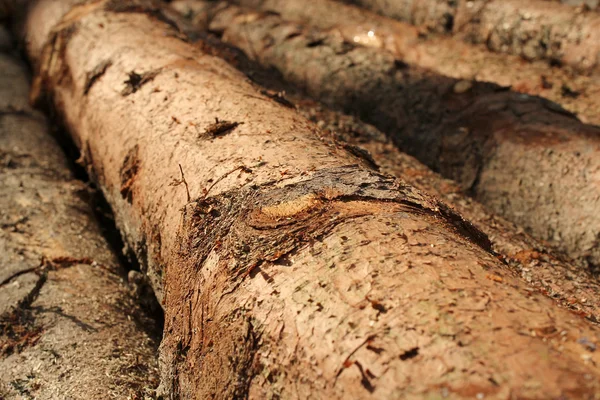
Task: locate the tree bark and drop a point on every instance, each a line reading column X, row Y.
column 291, row 272
column 577, row 93
column 555, row 276
column 534, row 30
column 67, row 322
column 521, row 156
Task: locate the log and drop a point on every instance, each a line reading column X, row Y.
column 68, row 324
column 577, row 93
column 553, row 275
column 286, row 269
column 521, row 156
column 556, row 277
column 534, row 30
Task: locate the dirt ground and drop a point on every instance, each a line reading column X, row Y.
column 71, row 326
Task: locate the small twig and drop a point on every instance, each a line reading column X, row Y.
column 346, row 362
column 241, row 167
column 26, row 301
column 35, row 292
column 17, row 274
column 177, row 182
column 52, row 264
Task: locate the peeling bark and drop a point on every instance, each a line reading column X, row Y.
column 67, row 322
column 451, row 57
column 534, row 30
column 293, row 272
column 521, row 156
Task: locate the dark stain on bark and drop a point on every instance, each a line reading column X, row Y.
column 408, row 354
column 129, row 170
column 220, row 128
column 53, row 68
column 95, row 74
column 365, row 377
column 135, row 81
column 568, row 92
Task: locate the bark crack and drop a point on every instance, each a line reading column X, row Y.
column 258, row 224
column 93, row 76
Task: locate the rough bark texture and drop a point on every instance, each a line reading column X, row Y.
column 555, row 276
column 577, row 93
column 523, row 157
column 434, row 15
column 293, row 272
column 68, row 325
column 533, row 30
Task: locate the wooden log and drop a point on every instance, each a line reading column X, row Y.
column 68, row 324
column 451, row 57
column 558, row 278
column 534, row 30
column 285, row 269
column 521, row 156
column 550, row 273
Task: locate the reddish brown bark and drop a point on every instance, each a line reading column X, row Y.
column 534, row 29
column 521, row 156
column 447, row 56
column 295, row 273
column 68, row 325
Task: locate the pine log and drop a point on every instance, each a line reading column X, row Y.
column 554, row 275
column 68, row 324
column 285, row 269
column 534, row 30
column 523, row 157
column 451, row 57
column 544, row 270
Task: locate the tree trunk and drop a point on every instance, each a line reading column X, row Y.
column 287, row 270
column 534, row 30
column 68, row 325
column 521, row 156
column 556, row 277
column 447, row 56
